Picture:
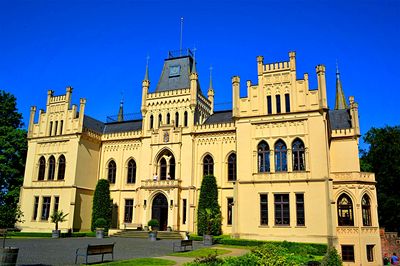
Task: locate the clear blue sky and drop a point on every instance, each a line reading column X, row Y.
column 100, row 47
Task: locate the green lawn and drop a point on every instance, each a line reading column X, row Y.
column 141, row 262
column 203, row 252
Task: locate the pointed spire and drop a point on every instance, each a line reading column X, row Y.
column 194, row 61
column 121, row 111
column 146, row 74
column 340, row 98
column 211, row 85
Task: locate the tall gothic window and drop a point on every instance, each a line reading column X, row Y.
column 128, row 214
column 52, row 168
column 366, row 210
column 208, row 165
column 112, row 172
column 298, row 155
column 280, row 156
column 185, row 119
column 131, row 178
column 168, row 118
column 42, row 168
column 176, row 119
column 232, row 167
column 172, row 168
column 345, row 210
column 151, row 122
column 263, row 157
column 163, row 169
column 61, row 168
column 159, row 120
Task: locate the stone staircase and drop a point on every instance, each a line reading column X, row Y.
column 145, row 234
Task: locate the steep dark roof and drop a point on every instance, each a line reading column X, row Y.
column 125, row 126
column 220, row 117
column 93, row 124
column 340, row 119
column 181, row 79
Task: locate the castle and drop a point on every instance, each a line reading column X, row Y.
column 287, row 166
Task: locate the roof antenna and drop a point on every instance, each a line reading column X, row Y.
column 180, row 43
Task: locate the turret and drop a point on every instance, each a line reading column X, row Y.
column 31, row 120
column 260, row 63
column 210, row 93
column 320, row 69
column 49, row 95
column 355, row 123
column 194, row 79
column 68, row 97
column 145, row 88
column 81, row 113
column 235, row 95
column 292, row 62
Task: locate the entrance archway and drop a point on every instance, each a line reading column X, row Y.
column 159, row 210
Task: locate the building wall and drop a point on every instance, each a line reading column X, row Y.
column 330, row 157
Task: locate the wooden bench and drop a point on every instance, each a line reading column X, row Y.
column 95, row 250
column 183, row 244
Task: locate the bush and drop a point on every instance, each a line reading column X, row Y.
column 208, row 207
column 102, row 204
column 153, row 223
column 100, row 223
column 332, row 258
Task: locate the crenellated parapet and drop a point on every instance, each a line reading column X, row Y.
column 59, row 118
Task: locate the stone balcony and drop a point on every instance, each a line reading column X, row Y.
column 353, row 177
column 150, row 184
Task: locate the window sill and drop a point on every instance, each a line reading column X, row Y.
column 282, row 226
column 300, row 226
column 263, row 226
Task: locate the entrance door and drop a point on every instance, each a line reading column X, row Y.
column 159, row 211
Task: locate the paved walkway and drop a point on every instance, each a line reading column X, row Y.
column 47, row 251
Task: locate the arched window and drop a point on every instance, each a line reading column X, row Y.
column 280, row 156
column 42, row 168
column 52, row 168
column 131, row 178
column 163, row 169
column 166, row 165
column 263, row 157
column 172, row 168
column 345, row 211
column 151, row 122
column 159, row 120
column 232, row 167
column 185, row 119
column 112, row 171
column 176, row 119
column 366, row 210
column 61, row 168
column 298, row 155
column 208, row 165
column 168, row 118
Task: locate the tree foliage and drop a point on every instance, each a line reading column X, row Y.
column 102, row 204
column 383, row 158
column 13, row 147
column 209, row 211
column 332, row 258
column 58, row 217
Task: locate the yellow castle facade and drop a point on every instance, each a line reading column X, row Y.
column 287, row 166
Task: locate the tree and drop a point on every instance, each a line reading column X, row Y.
column 102, row 204
column 58, row 217
column 383, row 158
column 208, row 207
column 332, row 258
column 13, row 147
